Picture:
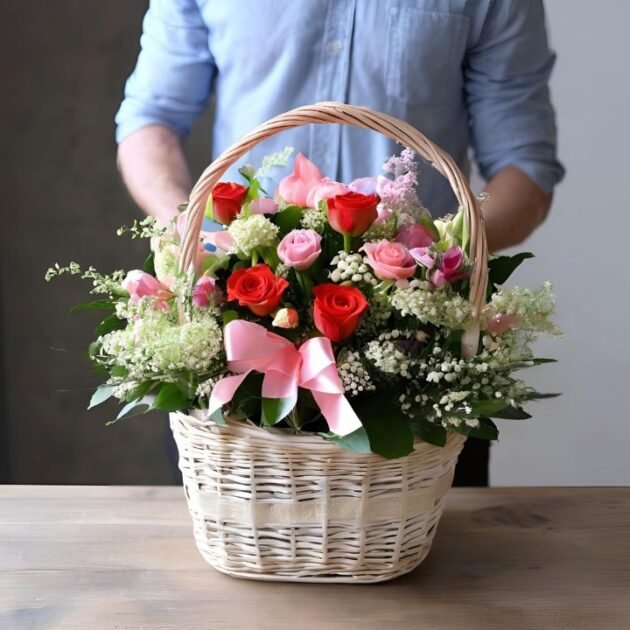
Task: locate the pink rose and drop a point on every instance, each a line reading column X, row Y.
column 294, row 189
column 300, row 248
column 450, row 267
column 326, row 189
column 390, row 261
column 205, row 292
column 415, row 235
column 140, row 284
column 263, row 205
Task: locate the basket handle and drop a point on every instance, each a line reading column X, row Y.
column 398, row 130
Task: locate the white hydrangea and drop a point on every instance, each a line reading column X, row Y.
column 154, row 345
column 252, row 232
column 441, row 307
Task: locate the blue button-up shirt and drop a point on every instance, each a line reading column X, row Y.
column 468, row 73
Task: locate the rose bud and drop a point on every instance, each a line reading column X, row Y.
column 227, row 200
column 352, row 213
column 140, row 284
column 337, row 310
column 286, row 318
column 257, row 288
column 205, row 292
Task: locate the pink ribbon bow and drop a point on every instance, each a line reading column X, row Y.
column 249, row 347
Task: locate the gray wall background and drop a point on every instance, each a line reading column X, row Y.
column 66, row 63
column 584, row 436
column 65, row 66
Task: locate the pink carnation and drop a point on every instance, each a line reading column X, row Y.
column 390, row 261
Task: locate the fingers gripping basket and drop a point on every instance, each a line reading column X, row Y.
column 268, row 504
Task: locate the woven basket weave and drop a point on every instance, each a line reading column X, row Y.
column 267, row 504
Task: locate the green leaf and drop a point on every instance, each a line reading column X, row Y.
column 512, row 413
column 111, row 322
column 502, row 267
column 246, row 401
column 229, row 316
column 102, row 393
column 486, row 408
column 540, row 396
column 275, row 409
column 96, row 305
column 217, row 417
column 137, row 406
column 149, row 264
column 208, row 210
column 387, row 427
column 170, row 397
column 119, row 371
column 288, row 219
column 486, row 430
column 357, row 441
column 431, row 432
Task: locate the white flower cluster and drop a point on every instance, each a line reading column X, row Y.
column 154, row 345
column 252, row 232
column 314, row 219
column 351, row 268
column 101, row 284
column 354, row 376
column 385, row 353
column 533, row 308
column 146, row 228
column 204, row 389
column 441, row 307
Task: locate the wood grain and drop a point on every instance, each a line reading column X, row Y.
column 123, row 558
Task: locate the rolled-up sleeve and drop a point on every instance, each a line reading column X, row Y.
column 172, row 80
column 512, row 120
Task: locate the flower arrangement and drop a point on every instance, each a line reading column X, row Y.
column 330, row 308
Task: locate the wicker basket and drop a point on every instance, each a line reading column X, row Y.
column 270, row 505
column 273, row 506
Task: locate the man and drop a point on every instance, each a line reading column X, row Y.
column 465, row 72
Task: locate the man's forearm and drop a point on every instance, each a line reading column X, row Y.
column 516, row 206
column 155, row 171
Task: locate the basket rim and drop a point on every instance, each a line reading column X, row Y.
column 197, row 420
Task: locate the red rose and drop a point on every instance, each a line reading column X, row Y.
column 227, row 199
column 337, row 310
column 352, row 213
column 257, row 288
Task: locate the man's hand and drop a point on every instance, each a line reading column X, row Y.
column 155, row 171
column 516, row 206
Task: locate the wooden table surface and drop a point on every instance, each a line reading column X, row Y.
column 123, row 558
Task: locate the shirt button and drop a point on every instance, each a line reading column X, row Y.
column 335, row 46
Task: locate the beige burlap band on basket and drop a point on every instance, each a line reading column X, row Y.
column 268, row 504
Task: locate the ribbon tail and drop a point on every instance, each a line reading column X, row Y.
column 338, row 412
column 224, row 391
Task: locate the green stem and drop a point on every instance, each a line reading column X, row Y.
column 254, row 257
column 347, row 243
column 294, row 419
